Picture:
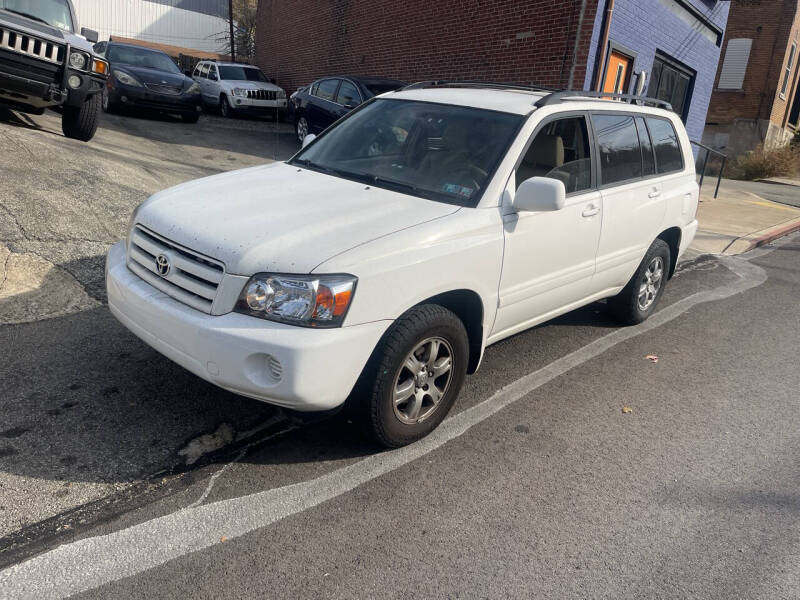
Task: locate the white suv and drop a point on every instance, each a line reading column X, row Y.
column 237, row 88
column 377, row 264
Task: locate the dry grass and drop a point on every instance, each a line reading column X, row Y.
column 762, row 163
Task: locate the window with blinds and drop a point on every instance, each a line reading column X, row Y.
column 734, row 67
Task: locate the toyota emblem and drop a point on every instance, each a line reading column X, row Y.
column 162, row 265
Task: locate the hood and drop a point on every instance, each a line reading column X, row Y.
column 251, row 85
column 153, row 75
column 280, row 218
column 44, row 30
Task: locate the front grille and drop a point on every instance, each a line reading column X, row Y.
column 30, row 68
column 192, row 278
column 169, row 90
column 262, row 94
column 22, row 43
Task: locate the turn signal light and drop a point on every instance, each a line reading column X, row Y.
column 100, row 67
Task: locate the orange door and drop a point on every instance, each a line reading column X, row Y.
column 619, row 66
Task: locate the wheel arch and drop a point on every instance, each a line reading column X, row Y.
column 672, row 237
column 468, row 307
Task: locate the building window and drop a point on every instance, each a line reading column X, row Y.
column 734, row 67
column 789, row 66
column 671, row 82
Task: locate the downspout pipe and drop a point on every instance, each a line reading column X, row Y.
column 571, row 81
column 598, row 84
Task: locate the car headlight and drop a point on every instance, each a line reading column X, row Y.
column 78, row 60
column 123, row 77
column 305, row 300
column 281, row 94
column 193, row 89
column 240, row 92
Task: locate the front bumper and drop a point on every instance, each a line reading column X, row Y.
column 142, row 97
column 318, row 367
column 255, row 106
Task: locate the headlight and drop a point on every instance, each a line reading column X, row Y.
column 193, row 89
column 281, row 94
column 77, row 60
column 306, row 300
column 240, row 92
column 123, row 77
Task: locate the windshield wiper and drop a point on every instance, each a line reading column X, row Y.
column 28, row 15
column 365, row 178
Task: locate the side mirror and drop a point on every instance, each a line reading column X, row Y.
column 90, row 34
column 540, row 194
column 308, row 139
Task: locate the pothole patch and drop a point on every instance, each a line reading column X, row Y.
column 32, row 288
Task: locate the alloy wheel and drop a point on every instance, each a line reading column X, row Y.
column 302, row 129
column 651, row 283
column 423, row 380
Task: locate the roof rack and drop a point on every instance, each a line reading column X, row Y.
column 557, row 97
column 421, row 85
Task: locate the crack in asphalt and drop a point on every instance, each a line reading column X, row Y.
column 95, row 561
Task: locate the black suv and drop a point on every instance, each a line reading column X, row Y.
column 44, row 63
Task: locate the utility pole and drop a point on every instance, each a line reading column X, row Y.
column 233, row 40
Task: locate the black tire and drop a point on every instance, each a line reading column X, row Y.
column 80, row 122
column 626, row 306
column 225, row 108
column 190, row 117
column 372, row 403
column 109, row 106
column 301, row 127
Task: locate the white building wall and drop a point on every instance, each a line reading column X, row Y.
column 152, row 22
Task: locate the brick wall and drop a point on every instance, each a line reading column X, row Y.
column 520, row 41
column 770, row 24
column 647, row 26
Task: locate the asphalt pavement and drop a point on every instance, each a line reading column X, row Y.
column 575, row 464
column 773, row 191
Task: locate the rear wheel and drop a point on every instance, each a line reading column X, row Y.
column 413, row 377
column 638, row 300
column 80, row 122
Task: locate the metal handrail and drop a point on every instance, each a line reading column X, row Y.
column 709, row 152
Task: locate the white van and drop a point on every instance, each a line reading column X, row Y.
column 377, row 264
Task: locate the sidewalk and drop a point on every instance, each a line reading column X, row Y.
column 739, row 221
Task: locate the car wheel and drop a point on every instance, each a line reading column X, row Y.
column 301, row 127
column 80, row 122
column 413, row 377
column 639, row 298
column 190, row 117
column 108, row 104
column 225, row 108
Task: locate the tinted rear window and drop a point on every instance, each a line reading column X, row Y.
column 620, row 153
column 669, row 157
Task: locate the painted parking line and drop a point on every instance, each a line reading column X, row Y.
column 92, row 562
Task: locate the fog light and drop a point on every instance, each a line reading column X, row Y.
column 238, row 102
column 74, row 82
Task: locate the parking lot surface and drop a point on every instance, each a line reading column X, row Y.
column 574, row 465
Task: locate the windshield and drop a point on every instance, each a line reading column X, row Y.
column 435, row 151
column 52, row 12
column 141, row 57
column 241, row 74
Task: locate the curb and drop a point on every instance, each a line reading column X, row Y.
column 774, row 234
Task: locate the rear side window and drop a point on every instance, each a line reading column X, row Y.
column 669, row 157
column 204, row 70
column 327, row 89
column 648, row 158
column 348, row 95
column 618, row 142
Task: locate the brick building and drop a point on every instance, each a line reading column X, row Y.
column 755, row 98
column 666, row 48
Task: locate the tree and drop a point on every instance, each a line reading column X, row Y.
column 244, row 31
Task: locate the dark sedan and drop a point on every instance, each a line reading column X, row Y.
column 147, row 79
column 329, row 98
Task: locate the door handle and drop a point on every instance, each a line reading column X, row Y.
column 590, row 210
column 654, row 194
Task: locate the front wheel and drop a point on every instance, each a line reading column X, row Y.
column 225, row 108
column 80, row 122
column 301, row 127
column 638, row 300
column 108, row 104
column 413, row 377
